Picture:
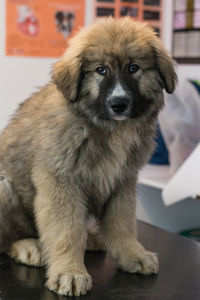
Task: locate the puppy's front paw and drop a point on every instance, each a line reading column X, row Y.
column 144, row 263
column 68, row 284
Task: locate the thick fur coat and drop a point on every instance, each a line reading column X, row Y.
column 74, row 149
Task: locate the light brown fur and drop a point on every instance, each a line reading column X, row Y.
column 63, row 163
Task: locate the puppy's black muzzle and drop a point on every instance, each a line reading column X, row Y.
column 119, row 104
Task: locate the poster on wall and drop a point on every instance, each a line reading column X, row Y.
column 41, row 27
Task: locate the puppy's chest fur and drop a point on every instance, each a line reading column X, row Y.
column 100, row 164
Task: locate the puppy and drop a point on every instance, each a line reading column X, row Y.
column 74, row 149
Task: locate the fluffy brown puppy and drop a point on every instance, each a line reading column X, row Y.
column 74, row 149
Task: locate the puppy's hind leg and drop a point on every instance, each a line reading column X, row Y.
column 15, row 224
column 27, row 251
column 95, row 242
column 94, row 239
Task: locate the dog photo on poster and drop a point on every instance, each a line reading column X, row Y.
column 41, row 28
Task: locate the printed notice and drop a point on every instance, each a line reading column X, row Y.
column 41, row 28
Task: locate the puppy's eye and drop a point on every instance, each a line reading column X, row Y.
column 133, row 68
column 101, row 70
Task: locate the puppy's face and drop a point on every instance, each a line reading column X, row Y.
column 118, row 88
column 119, row 73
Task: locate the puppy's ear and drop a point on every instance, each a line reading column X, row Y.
column 67, row 75
column 165, row 67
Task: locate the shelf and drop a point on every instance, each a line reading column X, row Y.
column 156, row 176
column 187, row 60
column 187, row 29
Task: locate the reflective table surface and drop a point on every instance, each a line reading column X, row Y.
column 178, row 279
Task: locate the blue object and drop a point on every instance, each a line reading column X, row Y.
column 161, row 154
column 196, row 84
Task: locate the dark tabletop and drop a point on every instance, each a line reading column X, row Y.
column 178, row 279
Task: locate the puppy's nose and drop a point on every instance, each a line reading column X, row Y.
column 119, row 104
